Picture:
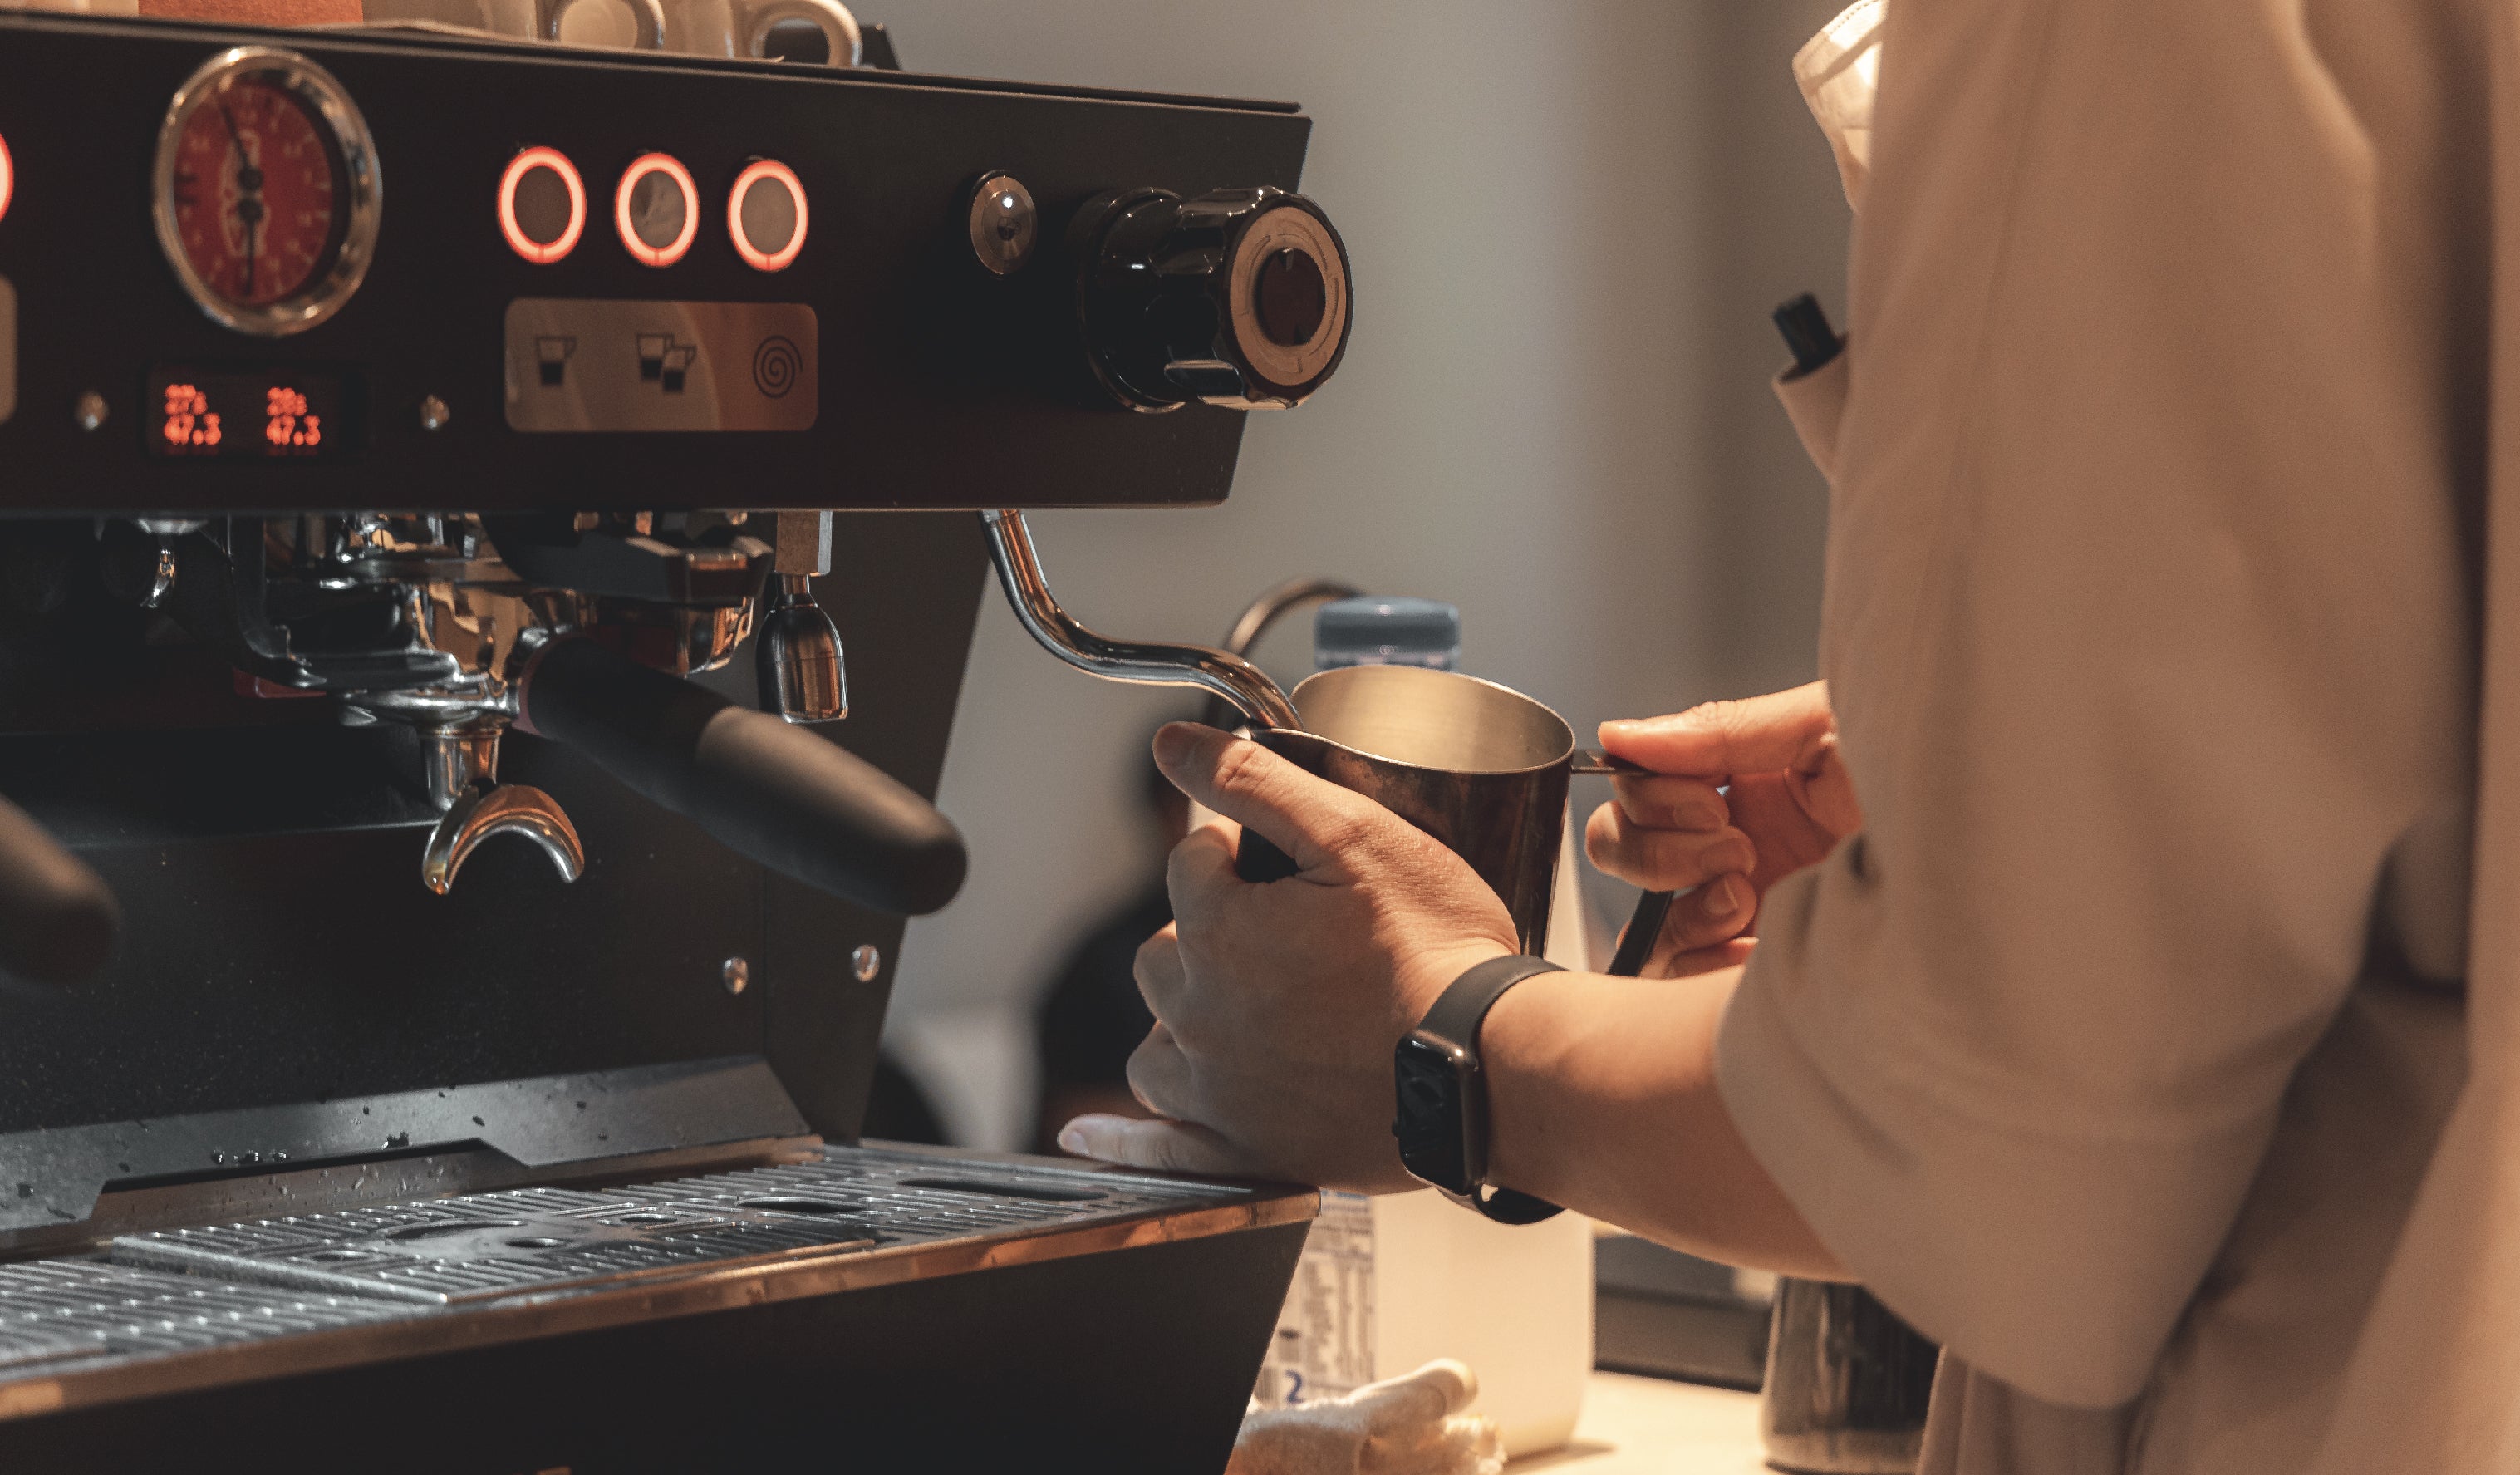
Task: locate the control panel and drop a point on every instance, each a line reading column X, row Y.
column 284, row 271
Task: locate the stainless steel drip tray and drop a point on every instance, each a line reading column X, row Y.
column 191, row 1308
column 492, row 1246
column 481, row 1247
column 58, row 1312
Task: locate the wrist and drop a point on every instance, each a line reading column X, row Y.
column 1441, row 1114
column 1423, row 976
column 1515, row 1047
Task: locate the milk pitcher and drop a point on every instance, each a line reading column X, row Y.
column 1480, row 767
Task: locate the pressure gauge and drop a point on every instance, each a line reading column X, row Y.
column 266, row 193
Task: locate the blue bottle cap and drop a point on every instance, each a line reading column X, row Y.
column 1377, row 630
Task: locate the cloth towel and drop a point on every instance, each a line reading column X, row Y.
column 1409, row 1425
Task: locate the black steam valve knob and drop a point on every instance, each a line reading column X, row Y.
column 1237, row 298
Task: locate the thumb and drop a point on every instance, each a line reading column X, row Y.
column 1313, row 820
column 1157, row 1144
column 1759, row 735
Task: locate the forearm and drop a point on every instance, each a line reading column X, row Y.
column 1602, row 1096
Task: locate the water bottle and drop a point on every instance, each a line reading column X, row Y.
column 1392, row 1281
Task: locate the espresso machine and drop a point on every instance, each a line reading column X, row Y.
column 487, row 558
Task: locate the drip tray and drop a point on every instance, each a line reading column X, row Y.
column 490, row 1245
column 533, row 1242
column 231, row 1297
column 79, row 1311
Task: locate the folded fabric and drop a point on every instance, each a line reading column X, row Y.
column 1409, row 1425
column 1839, row 71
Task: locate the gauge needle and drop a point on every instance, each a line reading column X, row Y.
column 250, row 208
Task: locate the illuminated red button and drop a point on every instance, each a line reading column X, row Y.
column 656, row 209
column 765, row 213
column 8, row 177
column 542, row 206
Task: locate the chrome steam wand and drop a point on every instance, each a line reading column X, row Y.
column 1144, row 662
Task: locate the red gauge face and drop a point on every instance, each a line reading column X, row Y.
column 258, row 192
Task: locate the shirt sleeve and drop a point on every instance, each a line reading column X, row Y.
column 2148, row 630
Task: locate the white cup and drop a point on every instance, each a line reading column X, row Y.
column 639, row 24
column 700, row 28
column 742, row 28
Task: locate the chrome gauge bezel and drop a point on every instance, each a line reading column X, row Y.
column 361, row 182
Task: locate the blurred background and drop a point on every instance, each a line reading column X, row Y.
column 1567, row 225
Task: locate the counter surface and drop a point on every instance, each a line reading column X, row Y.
column 1636, row 1425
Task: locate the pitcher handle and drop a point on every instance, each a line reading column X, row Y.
column 1644, row 925
column 1591, row 760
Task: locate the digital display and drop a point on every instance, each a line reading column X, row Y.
column 254, row 415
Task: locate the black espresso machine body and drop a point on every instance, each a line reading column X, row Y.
column 444, row 991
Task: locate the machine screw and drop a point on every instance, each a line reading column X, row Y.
column 738, row 974
column 433, row 413
column 89, row 412
column 1003, row 222
column 865, row 963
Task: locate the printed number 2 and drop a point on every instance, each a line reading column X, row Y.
column 1295, row 1387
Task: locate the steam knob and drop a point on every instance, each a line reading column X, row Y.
column 803, row 677
column 1237, row 298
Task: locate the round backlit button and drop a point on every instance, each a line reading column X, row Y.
column 656, row 209
column 542, row 206
column 8, row 177
column 765, row 213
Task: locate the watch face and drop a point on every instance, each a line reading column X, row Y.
column 1430, row 1124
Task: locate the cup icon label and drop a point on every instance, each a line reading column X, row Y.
column 665, row 361
column 591, row 364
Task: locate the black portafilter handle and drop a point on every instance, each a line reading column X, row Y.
column 58, row 920
column 776, row 793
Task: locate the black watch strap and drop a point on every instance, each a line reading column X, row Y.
column 1458, row 1012
column 1456, row 1017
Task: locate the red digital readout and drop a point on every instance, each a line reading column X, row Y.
column 191, row 423
column 216, row 413
column 287, row 425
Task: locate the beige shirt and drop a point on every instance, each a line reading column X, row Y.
column 2174, row 574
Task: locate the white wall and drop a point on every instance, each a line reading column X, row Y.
column 1567, row 224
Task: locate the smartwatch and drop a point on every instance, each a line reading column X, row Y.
column 1442, row 1120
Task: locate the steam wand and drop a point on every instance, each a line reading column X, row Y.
column 1147, row 663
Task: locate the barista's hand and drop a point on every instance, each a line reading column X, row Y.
column 1789, row 801
column 1277, row 1004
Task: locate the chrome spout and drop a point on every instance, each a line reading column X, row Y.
column 1144, row 662
column 506, row 809
column 799, row 661
column 473, row 806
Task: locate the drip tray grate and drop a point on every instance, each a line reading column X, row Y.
column 528, row 1241
column 176, row 1291
column 487, row 1247
column 81, row 1309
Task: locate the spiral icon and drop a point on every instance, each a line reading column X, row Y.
column 775, row 365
